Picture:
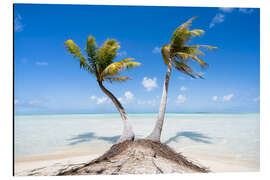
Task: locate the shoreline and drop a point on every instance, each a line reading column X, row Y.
column 51, row 156
column 69, row 139
column 49, row 164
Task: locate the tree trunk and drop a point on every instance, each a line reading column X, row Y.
column 128, row 133
column 156, row 133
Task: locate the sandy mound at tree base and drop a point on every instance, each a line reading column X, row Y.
column 141, row 156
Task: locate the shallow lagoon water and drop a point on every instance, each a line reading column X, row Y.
column 235, row 136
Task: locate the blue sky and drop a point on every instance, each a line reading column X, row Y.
column 48, row 80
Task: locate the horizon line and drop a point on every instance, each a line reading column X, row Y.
column 138, row 113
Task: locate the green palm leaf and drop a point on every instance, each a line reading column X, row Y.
column 184, row 68
column 204, row 46
column 185, row 57
column 180, row 35
column 179, row 49
column 100, row 60
column 117, row 67
column 73, row 49
column 117, row 79
column 196, row 32
column 106, row 53
column 91, row 47
column 76, row 52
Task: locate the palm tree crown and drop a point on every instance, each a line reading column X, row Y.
column 180, row 53
column 99, row 61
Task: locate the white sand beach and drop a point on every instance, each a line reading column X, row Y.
column 221, row 142
column 51, row 164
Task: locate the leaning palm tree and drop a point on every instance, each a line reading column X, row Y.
column 99, row 62
column 176, row 55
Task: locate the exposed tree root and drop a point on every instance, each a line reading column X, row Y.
column 141, row 156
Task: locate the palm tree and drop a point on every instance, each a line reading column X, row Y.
column 176, row 55
column 99, row 62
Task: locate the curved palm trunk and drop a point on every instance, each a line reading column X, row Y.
column 156, row 133
column 127, row 130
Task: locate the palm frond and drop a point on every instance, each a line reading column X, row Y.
column 192, row 52
column 186, row 56
column 204, row 46
column 117, row 79
column 180, row 34
column 117, row 67
column 184, row 68
column 199, row 52
column 196, row 32
column 76, row 52
column 165, row 51
column 106, row 53
column 130, row 64
column 73, row 49
column 91, row 47
column 180, row 53
column 100, row 60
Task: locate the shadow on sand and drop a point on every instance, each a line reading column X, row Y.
column 198, row 137
column 86, row 137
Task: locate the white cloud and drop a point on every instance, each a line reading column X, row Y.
column 149, row 83
column 102, row 100
column 16, row 101
column 257, row 99
column 183, row 88
column 226, row 10
column 246, row 10
column 122, row 101
column 181, row 99
column 35, row 102
column 99, row 100
column 148, row 102
column 42, row 63
column 219, row 18
column 18, row 26
column 156, row 50
column 93, row 97
column 227, row 97
column 214, row 98
column 129, row 95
